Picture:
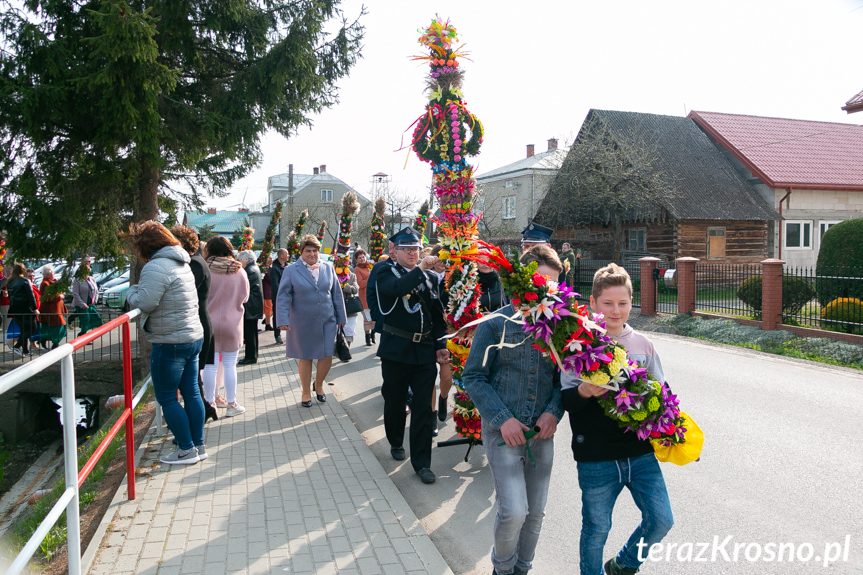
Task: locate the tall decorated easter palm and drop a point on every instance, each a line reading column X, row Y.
column 445, row 135
column 376, row 241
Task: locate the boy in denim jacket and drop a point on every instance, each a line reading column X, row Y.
column 609, row 458
column 516, row 390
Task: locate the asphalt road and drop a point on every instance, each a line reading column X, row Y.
column 780, row 471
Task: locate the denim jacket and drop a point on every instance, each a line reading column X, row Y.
column 515, row 381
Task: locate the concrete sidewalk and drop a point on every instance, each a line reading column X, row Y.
column 285, row 489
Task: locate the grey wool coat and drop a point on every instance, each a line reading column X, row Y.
column 312, row 310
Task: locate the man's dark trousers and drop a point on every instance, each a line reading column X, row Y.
column 250, row 338
column 398, row 377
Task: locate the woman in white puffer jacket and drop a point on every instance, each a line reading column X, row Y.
column 167, row 296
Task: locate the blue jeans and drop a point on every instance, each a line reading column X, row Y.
column 601, row 482
column 175, row 366
column 521, row 491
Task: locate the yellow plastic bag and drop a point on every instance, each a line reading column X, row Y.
column 685, row 452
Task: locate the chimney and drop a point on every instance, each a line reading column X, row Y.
column 243, row 210
column 323, row 168
column 530, row 150
column 211, row 211
column 552, row 144
column 315, row 171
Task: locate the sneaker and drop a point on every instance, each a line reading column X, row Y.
column 182, row 457
column 202, row 451
column 612, row 568
column 17, row 351
column 234, row 409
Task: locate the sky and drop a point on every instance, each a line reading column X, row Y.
column 536, row 69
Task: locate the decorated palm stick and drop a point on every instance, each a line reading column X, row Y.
column 343, row 246
column 422, row 221
column 296, row 234
column 270, row 234
column 445, row 135
column 293, row 244
column 322, row 231
column 248, row 239
column 378, row 237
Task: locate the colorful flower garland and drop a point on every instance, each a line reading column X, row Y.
column 444, row 136
column 378, row 237
column 269, row 236
column 576, row 341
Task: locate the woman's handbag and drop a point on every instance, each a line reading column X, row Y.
column 343, row 350
column 353, row 305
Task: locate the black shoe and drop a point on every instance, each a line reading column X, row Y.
column 210, row 413
column 612, row 568
column 373, row 338
column 268, row 328
column 441, row 408
column 426, row 475
column 368, row 339
column 434, row 429
column 307, row 403
column 321, row 398
column 398, row 453
column 247, row 361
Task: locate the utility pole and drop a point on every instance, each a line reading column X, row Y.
column 287, row 222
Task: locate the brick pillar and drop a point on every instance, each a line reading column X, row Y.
column 771, row 294
column 648, row 285
column 686, row 284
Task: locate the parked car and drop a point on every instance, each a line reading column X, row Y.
column 115, row 297
column 104, row 287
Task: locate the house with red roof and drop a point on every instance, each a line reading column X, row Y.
column 810, row 172
column 671, row 193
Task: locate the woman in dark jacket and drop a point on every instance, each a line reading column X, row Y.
column 23, row 307
column 253, row 309
column 190, row 242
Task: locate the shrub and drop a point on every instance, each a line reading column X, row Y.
column 796, row 293
column 841, row 254
column 843, row 310
column 749, row 292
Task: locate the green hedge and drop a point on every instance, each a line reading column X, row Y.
column 796, row 293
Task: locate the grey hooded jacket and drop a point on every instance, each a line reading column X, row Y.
column 168, row 298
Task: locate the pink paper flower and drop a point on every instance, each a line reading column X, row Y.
column 456, row 158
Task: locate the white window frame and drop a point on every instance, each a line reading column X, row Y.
column 803, row 239
column 508, row 208
column 328, row 199
column 827, row 223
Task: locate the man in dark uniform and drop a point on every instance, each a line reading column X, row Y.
column 411, row 345
column 535, row 234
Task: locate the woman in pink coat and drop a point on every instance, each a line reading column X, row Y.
column 229, row 289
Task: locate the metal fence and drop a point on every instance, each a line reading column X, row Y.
column 585, row 269
column 724, row 289
column 69, row 500
column 830, row 301
column 106, row 348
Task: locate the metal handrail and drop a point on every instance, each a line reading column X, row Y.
column 74, row 479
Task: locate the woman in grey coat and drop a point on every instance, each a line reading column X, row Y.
column 168, row 300
column 310, row 308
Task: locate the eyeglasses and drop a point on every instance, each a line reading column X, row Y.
column 413, row 250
